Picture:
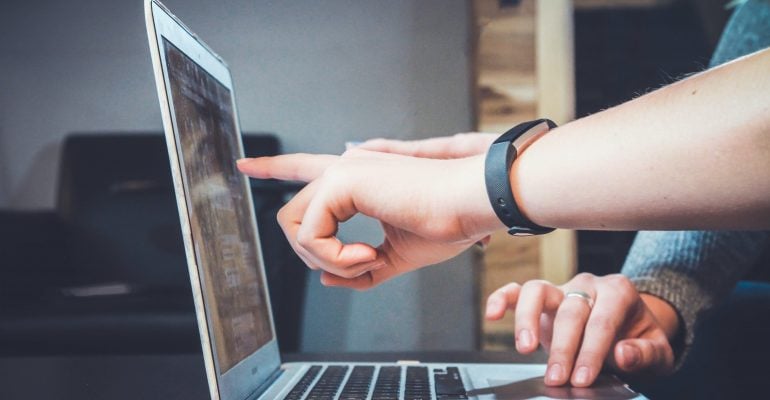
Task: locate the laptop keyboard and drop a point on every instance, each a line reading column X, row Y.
column 447, row 383
column 357, row 386
column 388, row 384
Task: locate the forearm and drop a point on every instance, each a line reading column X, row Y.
column 692, row 155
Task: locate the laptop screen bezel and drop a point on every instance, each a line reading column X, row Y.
column 249, row 374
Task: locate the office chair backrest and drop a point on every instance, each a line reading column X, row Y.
column 116, row 197
column 122, row 227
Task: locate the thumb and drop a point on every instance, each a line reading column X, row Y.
column 646, row 354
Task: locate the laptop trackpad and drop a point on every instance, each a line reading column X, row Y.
column 605, row 387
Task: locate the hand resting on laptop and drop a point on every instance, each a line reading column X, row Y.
column 632, row 332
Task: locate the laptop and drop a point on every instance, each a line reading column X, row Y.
column 230, row 292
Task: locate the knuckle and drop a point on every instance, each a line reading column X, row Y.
column 584, row 277
column 304, row 239
column 537, row 285
column 508, row 288
column 621, row 282
column 623, row 290
column 337, row 173
column 282, row 216
column 497, row 295
column 353, row 152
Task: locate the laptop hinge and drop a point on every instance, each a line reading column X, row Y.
column 261, row 389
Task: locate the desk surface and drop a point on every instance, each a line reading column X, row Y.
column 173, row 376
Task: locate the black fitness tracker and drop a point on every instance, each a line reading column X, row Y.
column 497, row 169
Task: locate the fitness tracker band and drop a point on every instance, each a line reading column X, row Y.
column 497, row 169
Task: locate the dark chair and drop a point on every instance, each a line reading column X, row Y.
column 105, row 272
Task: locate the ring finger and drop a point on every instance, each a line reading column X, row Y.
column 568, row 327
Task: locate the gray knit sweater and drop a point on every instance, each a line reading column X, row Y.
column 694, row 270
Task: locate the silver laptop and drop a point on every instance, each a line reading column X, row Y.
column 232, row 305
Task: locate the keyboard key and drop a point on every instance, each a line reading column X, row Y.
column 417, row 386
column 329, row 383
column 388, row 385
column 358, row 384
column 303, row 384
column 449, row 385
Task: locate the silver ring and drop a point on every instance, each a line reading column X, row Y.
column 582, row 296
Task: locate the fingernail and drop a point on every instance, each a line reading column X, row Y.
column 581, row 376
column 555, row 373
column 631, row 355
column 240, row 160
column 524, row 339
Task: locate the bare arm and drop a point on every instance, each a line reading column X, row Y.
column 692, row 155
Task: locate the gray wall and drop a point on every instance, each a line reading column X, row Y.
column 318, row 73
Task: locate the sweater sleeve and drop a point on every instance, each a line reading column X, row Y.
column 692, row 270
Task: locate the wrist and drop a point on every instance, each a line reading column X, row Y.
column 501, row 160
column 477, row 217
column 664, row 313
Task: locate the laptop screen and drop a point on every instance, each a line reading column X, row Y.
column 222, row 229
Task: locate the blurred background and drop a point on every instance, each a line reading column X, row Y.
column 90, row 248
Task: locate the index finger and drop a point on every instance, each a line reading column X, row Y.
column 287, row 167
column 456, row 146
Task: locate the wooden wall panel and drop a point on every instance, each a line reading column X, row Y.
column 514, row 84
